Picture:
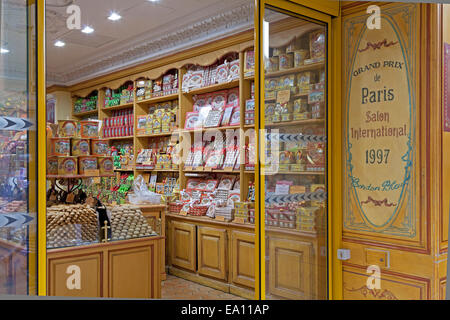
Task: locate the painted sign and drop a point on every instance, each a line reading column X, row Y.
column 380, row 126
column 446, row 87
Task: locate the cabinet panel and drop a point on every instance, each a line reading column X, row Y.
column 391, row 287
column 5, row 271
column 183, row 245
column 131, row 273
column 61, row 276
column 243, row 258
column 290, row 268
column 212, row 253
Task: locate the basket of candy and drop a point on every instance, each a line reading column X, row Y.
column 175, row 207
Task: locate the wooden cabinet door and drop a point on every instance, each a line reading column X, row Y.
column 75, row 277
column 183, row 245
column 291, row 267
column 133, row 272
column 243, row 258
column 212, row 253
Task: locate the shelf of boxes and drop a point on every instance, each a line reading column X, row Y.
column 162, row 98
column 119, row 107
column 307, row 67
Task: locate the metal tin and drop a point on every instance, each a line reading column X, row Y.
column 81, row 147
column 286, row 61
column 67, row 128
column 99, row 147
column 89, row 129
column 67, row 166
column 60, row 146
column 87, row 163
column 52, row 165
column 272, row 64
column 106, row 165
column 299, row 57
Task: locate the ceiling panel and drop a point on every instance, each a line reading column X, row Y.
column 141, row 21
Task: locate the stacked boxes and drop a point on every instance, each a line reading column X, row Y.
column 242, row 210
column 311, row 219
column 161, row 119
column 121, row 124
column 80, row 151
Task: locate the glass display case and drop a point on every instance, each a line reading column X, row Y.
column 18, row 111
column 295, row 153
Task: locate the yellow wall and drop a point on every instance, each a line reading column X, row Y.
column 446, row 141
column 63, row 107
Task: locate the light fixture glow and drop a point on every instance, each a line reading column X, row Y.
column 87, row 29
column 114, row 16
column 153, row 0
column 4, row 50
column 59, row 44
column 266, row 39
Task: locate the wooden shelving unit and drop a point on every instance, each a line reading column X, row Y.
column 158, row 99
column 121, row 138
column 119, row 107
column 307, row 67
column 85, row 114
column 234, row 239
column 185, row 103
column 78, row 176
column 214, row 87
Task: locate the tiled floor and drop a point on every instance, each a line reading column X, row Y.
column 175, row 288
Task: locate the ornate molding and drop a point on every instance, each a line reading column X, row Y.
column 224, row 24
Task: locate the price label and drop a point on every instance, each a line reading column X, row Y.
column 92, row 172
column 70, row 198
column 239, row 220
column 283, row 96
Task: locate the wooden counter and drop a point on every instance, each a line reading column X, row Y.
column 119, row 269
column 155, row 215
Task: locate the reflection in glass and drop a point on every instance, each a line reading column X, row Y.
column 296, row 146
column 17, row 148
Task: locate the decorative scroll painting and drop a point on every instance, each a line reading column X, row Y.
column 380, row 114
column 446, row 87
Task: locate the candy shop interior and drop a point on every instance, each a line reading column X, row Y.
column 167, row 151
column 196, row 150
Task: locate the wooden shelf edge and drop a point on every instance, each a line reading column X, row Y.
column 123, row 106
column 294, row 122
column 168, row 97
column 120, row 138
column 79, row 176
column 303, row 68
column 214, row 87
column 86, row 113
column 164, row 134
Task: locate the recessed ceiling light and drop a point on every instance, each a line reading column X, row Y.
column 114, row 16
column 59, row 44
column 87, row 29
column 4, row 50
column 153, row 0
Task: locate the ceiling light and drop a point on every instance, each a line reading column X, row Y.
column 87, row 29
column 3, row 50
column 59, row 44
column 114, row 16
column 153, row 0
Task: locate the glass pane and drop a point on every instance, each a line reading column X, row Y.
column 17, row 148
column 295, row 152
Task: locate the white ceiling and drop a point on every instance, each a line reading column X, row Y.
column 147, row 30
